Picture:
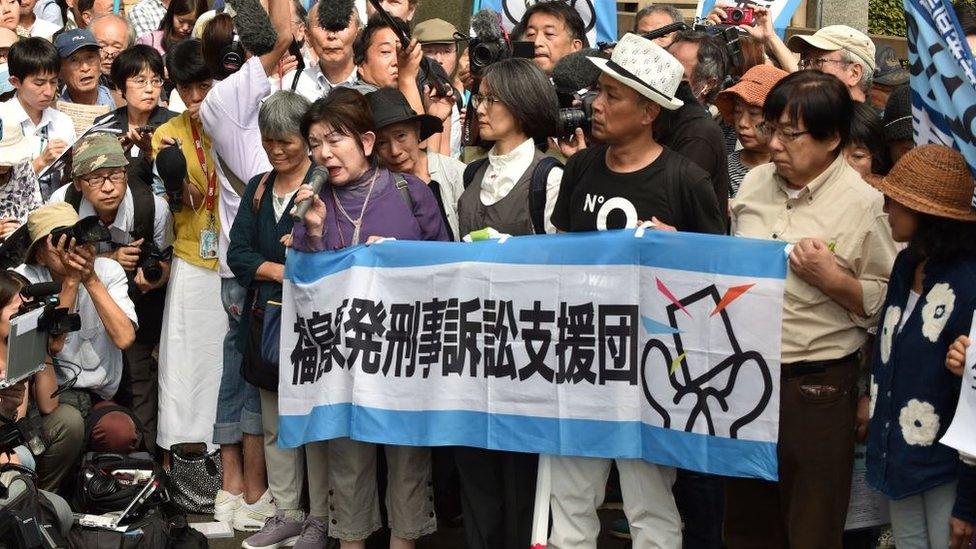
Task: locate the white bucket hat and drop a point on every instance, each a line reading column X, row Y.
column 14, row 147
column 645, row 67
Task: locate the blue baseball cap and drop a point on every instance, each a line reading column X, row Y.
column 73, row 40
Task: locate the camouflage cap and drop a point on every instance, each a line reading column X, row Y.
column 96, row 151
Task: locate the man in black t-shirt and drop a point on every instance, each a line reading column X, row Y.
column 630, row 179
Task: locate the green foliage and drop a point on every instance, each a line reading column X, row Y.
column 886, row 17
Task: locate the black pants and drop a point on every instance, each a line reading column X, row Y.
column 139, row 388
column 701, row 503
column 497, row 497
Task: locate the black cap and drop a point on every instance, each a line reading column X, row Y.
column 390, row 107
column 898, row 115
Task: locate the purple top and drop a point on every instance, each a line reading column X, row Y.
column 387, row 214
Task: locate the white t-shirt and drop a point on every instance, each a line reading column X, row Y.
column 91, row 348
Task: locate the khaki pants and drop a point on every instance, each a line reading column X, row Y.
column 579, row 486
column 64, row 434
column 807, row 508
column 353, row 498
column 287, row 466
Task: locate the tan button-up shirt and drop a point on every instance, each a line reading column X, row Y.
column 843, row 210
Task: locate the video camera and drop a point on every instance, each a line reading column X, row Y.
column 580, row 116
column 54, row 320
column 491, row 44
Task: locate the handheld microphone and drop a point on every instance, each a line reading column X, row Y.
column 171, row 165
column 320, row 176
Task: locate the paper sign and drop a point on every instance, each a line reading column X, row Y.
column 867, row 508
column 961, row 434
column 82, row 116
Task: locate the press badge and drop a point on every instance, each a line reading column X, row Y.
column 208, row 243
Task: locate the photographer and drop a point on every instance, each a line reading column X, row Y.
column 97, row 289
column 632, row 178
column 141, row 225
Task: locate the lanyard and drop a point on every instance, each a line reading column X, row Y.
column 211, row 176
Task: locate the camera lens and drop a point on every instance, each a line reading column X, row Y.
column 737, row 15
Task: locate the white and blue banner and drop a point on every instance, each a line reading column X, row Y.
column 599, row 16
column 781, row 10
column 943, row 78
column 664, row 347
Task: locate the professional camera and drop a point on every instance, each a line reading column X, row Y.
column 88, row 230
column 739, row 16
column 490, row 44
column 150, row 257
column 580, row 116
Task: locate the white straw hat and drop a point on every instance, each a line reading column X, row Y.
column 645, row 67
column 14, row 147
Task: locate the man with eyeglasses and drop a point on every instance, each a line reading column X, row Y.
column 841, row 51
column 840, row 255
column 137, row 220
column 94, row 287
column 113, row 34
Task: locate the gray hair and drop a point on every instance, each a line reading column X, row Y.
column 867, row 76
column 130, row 31
column 672, row 12
column 712, row 64
column 281, row 115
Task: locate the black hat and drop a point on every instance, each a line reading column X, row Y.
column 898, row 115
column 390, row 107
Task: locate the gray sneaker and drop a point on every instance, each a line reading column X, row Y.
column 277, row 532
column 315, row 534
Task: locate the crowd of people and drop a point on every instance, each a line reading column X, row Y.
column 202, row 127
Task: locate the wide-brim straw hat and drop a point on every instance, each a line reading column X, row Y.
column 931, row 179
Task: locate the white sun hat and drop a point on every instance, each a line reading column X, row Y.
column 14, row 147
column 645, row 67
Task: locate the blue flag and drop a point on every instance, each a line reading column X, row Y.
column 943, row 78
column 599, row 16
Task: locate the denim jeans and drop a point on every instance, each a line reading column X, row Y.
column 239, row 403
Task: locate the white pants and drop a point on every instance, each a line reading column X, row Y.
column 922, row 521
column 578, row 488
column 191, row 356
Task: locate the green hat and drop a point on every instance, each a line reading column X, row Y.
column 96, row 151
column 435, row 31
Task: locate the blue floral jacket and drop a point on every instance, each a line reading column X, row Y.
column 913, row 395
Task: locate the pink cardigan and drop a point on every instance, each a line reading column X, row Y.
column 154, row 39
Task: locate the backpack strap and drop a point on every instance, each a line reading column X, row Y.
column 401, row 185
column 537, row 192
column 143, row 212
column 259, row 193
column 73, row 196
column 232, row 178
column 471, row 170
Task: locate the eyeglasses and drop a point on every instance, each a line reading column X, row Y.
column 478, row 99
column 141, row 82
column 818, row 63
column 96, row 181
column 768, row 130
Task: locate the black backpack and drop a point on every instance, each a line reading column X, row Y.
column 29, row 520
column 154, row 531
column 537, row 188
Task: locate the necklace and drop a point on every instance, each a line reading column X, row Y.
column 357, row 223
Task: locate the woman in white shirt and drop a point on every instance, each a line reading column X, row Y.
column 512, row 191
column 515, row 188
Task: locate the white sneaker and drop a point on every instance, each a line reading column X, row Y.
column 250, row 517
column 226, row 504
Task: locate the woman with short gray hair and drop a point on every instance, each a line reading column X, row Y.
column 257, row 258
